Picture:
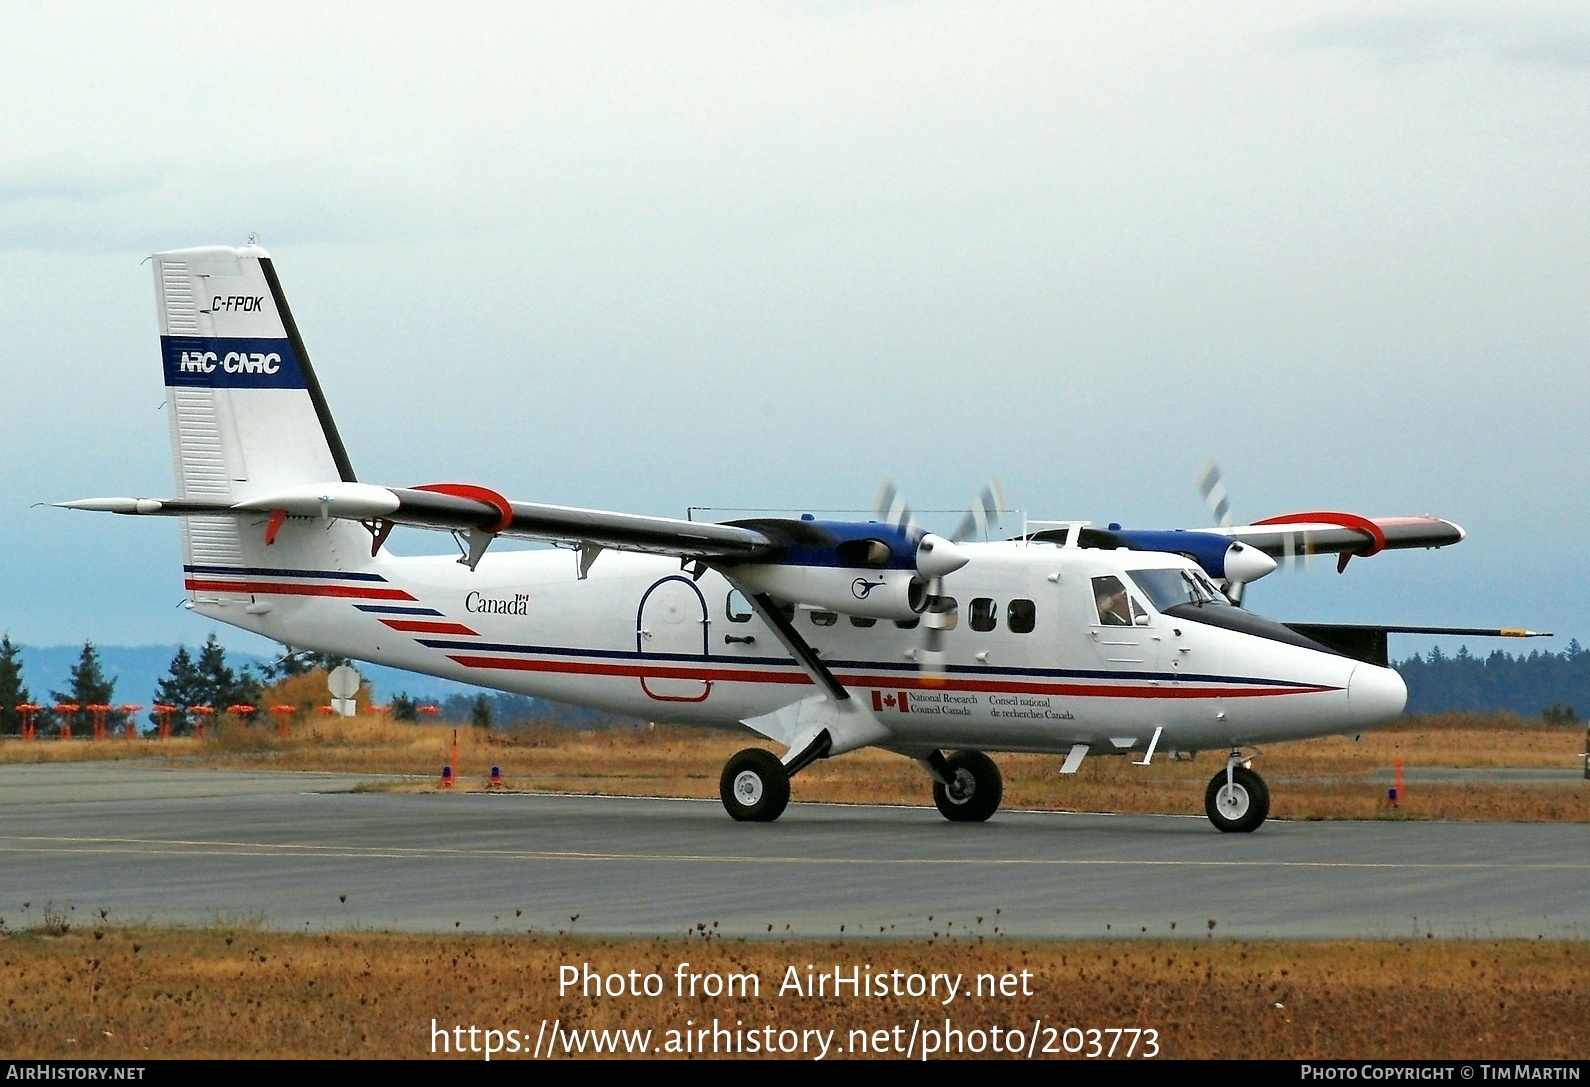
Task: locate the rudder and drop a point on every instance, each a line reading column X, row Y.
column 247, row 414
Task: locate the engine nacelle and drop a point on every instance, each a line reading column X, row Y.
column 877, row 594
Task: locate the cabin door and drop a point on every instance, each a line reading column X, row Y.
column 671, row 639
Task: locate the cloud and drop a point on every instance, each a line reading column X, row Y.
column 1533, row 39
column 77, row 207
column 70, row 181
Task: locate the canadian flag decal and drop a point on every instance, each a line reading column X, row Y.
column 892, row 700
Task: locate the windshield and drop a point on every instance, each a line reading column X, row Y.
column 1167, row 588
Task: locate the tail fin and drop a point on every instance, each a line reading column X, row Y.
column 247, row 414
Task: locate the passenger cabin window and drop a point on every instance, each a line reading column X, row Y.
column 983, row 614
column 738, row 608
column 1109, row 596
column 908, row 624
column 1021, row 616
column 863, row 621
column 824, row 618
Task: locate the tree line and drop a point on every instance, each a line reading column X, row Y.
column 205, row 679
column 1553, row 686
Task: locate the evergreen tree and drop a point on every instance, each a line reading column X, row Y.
column 295, row 662
column 12, row 691
column 404, row 708
column 219, row 685
column 89, row 688
column 182, row 687
column 1529, row 684
column 480, row 712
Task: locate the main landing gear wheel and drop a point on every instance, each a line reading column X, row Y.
column 974, row 790
column 754, row 786
column 1240, row 806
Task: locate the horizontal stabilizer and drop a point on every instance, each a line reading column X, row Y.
column 1367, row 642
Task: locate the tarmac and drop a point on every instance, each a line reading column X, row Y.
column 295, row 851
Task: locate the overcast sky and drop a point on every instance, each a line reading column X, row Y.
column 645, row 256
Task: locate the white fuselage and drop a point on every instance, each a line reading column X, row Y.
column 640, row 637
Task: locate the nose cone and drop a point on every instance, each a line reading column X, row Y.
column 936, row 556
column 1245, row 563
column 1376, row 695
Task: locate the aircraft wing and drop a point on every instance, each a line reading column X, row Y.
column 1328, row 532
column 455, row 507
column 466, row 508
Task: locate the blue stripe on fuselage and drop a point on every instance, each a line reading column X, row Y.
column 266, row 571
column 846, row 665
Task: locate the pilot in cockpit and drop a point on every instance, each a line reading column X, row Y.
column 1110, row 597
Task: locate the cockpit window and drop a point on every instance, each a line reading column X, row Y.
column 1209, row 587
column 1167, row 588
column 1110, row 597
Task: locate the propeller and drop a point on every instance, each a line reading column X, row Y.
column 937, row 557
column 987, row 509
column 1213, row 488
column 1297, row 548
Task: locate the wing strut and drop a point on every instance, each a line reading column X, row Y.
column 799, row 648
column 824, row 724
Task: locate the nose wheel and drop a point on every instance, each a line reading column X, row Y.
column 971, row 787
column 1237, row 800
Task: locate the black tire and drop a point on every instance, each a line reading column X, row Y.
column 754, row 786
column 978, row 791
column 1244, row 808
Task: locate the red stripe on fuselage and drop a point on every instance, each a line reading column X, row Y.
column 284, row 588
column 429, row 626
column 645, row 671
column 895, row 682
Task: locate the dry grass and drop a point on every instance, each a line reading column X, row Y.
column 154, row 994
column 1316, row 779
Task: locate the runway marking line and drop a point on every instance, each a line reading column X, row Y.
column 178, row 847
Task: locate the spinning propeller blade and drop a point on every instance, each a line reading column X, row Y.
column 1213, row 487
column 937, row 557
column 890, row 506
column 986, row 510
